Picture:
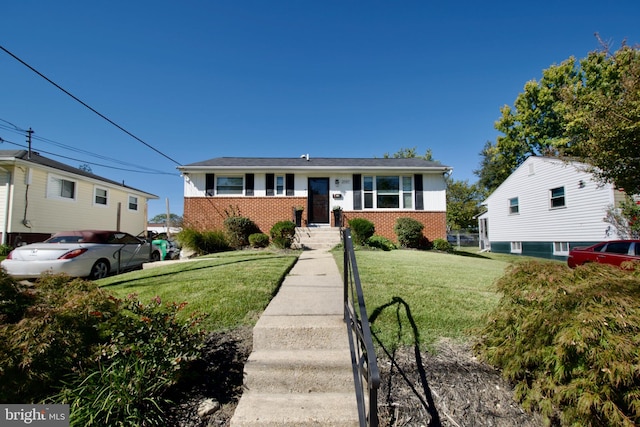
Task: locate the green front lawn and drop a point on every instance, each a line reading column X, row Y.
column 231, row 288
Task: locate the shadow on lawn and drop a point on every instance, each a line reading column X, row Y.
column 425, row 398
column 191, row 265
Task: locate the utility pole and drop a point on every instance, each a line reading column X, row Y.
column 29, row 132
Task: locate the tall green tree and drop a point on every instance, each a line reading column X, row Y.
column 603, row 117
column 587, row 110
column 534, row 126
column 463, row 204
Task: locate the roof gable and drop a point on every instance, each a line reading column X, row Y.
column 37, row 159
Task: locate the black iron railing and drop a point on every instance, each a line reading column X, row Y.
column 363, row 357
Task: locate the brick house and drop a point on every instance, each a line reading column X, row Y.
column 268, row 190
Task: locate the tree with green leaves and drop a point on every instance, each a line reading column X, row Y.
column 587, row 110
column 463, row 204
column 411, row 153
column 603, row 117
column 176, row 220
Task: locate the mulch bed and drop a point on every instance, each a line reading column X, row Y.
column 448, row 388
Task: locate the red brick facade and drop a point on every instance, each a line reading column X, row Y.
column 209, row 213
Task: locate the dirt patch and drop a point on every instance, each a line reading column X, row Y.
column 449, row 388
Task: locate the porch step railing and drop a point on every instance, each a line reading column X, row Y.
column 363, row 357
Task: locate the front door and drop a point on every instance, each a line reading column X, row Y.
column 318, row 200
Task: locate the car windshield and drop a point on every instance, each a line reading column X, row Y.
column 65, row 239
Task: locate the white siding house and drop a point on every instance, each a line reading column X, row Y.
column 40, row 196
column 545, row 207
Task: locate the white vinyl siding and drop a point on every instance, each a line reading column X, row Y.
column 579, row 221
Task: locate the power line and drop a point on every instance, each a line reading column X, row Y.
column 150, row 171
column 19, row 130
column 88, row 106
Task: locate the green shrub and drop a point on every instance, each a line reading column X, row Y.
column 146, row 354
column 5, row 249
column 361, row 230
column 238, row 230
column 381, row 243
column 259, row 240
column 283, row 233
column 442, row 245
column 49, row 334
column 569, row 340
column 203, row 242
column 409, row 232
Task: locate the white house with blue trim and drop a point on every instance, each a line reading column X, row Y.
column 546, row 207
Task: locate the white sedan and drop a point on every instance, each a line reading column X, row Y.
column 85, row 253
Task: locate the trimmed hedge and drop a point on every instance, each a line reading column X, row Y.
column 361, row 230
column 570, row 341
column 409, row 232
column 283, row 233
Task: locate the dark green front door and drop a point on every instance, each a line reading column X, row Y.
column 318, row 200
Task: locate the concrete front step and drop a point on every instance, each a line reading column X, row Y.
column 318, row 237
column 296, row 410
column 300, row 333
column 299, row 371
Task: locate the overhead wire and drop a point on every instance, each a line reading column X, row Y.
column 150, row 171
column 18, row 130
column 88, row 106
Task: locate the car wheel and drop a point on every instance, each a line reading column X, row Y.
column 155, row 256
column 99, row 270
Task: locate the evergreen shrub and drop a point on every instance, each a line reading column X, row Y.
column 569, row 339
column 409, row 232
column 258, row 240
column 283, row 233
column 361, row 230
column 380, row 242
column 238, row 229
column 203, row 242
column 442, row 245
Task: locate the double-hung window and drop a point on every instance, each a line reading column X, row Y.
column 100, row 196
column 514, row 206
column 557, row 198
column 229, row 185
column 61, row 188
column 279, row 185
column 133, row 203
column 387, row 192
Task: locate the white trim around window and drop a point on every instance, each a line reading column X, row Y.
column 561, row 248
column 100, row 196
column 557, row 198
column 516, row 247
column 61, row 188
column 133, row 203
column 514, row 206
column 387, row 192
column 229, row 185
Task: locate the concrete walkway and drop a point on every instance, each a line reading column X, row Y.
column 299, row 373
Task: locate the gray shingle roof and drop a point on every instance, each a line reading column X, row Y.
column 314, row 163
column 45, row 161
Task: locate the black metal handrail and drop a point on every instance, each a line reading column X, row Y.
column 363, row 357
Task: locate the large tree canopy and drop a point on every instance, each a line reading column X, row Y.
column 587, row 110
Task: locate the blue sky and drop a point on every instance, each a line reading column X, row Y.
column 203, row 79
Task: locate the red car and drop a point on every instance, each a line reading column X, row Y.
column 613, row 252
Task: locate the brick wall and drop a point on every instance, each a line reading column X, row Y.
column 435, row 223
column 209, row 213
